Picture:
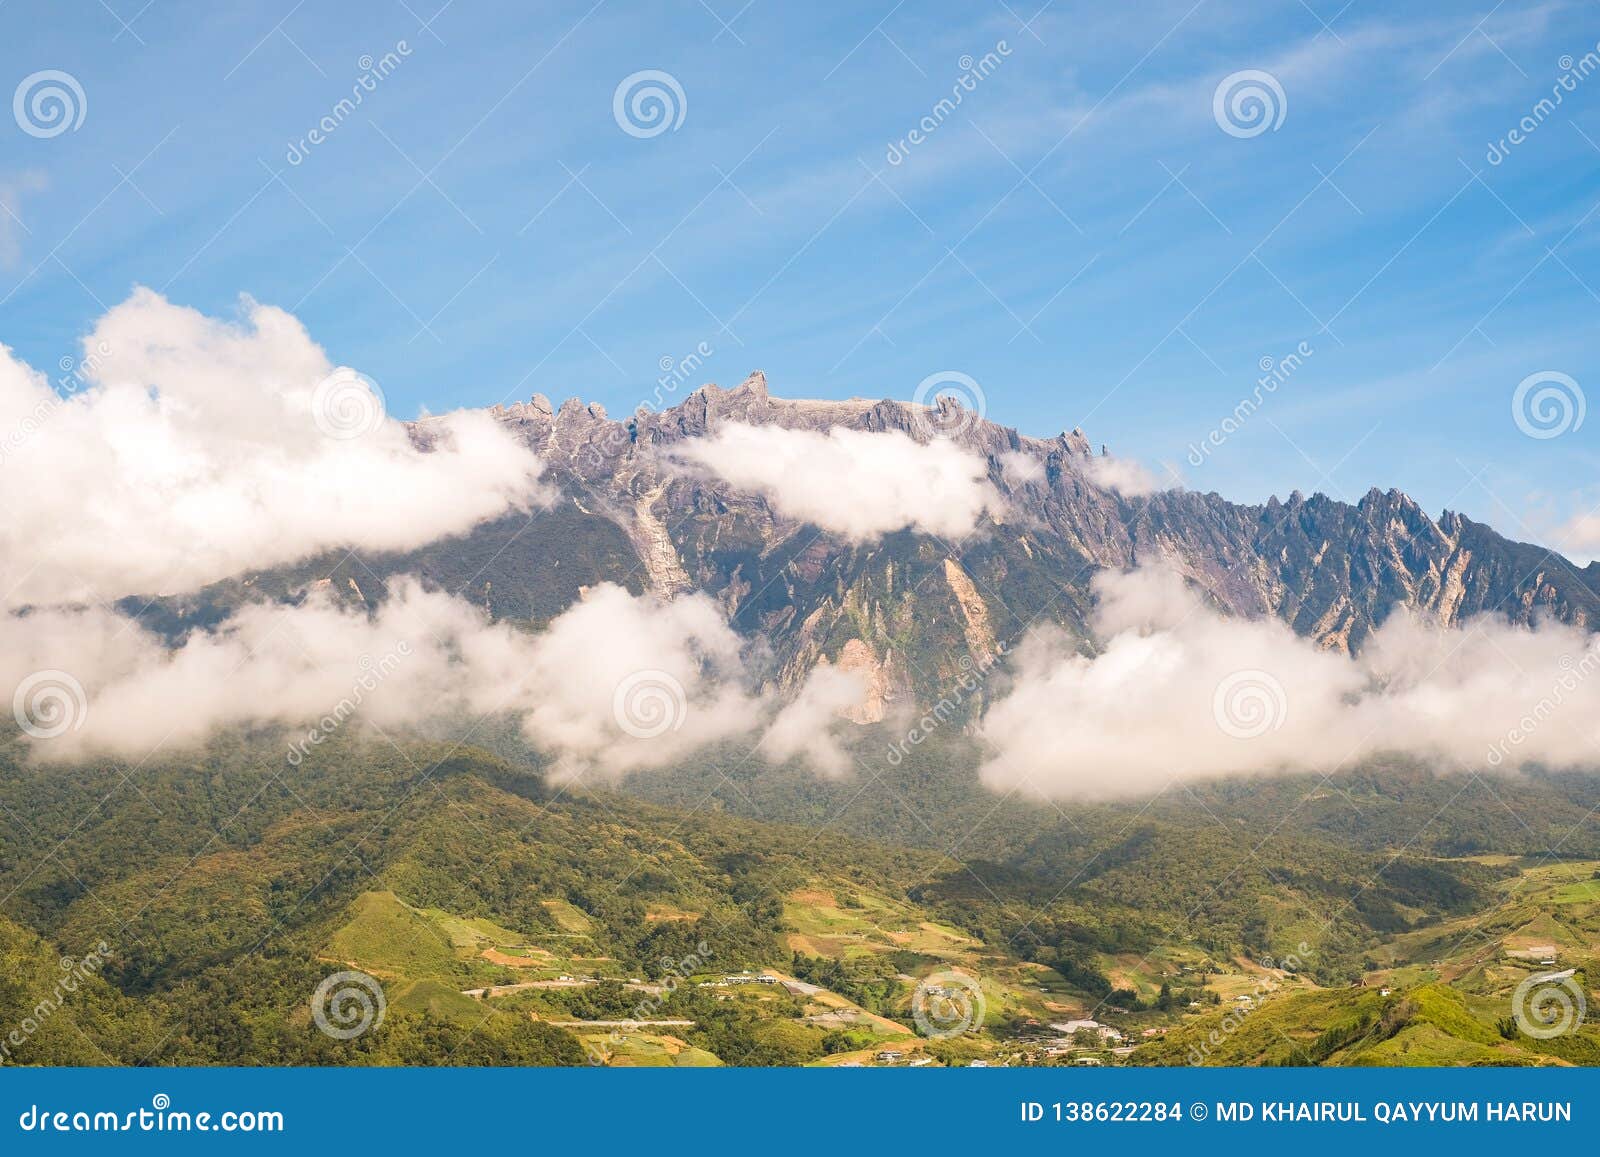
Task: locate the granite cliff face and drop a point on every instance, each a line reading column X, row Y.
column 915, row 613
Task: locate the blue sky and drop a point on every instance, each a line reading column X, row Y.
column 1080, row 236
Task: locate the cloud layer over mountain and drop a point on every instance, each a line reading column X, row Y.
column 181, row 450
column 1176, row 692
column 857, row 484
column 618, row 683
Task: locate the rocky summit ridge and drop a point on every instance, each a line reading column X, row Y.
column 914, row 611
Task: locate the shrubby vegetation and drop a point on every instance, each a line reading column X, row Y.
column 227, row 884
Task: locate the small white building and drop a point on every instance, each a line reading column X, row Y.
column 1103, row 1031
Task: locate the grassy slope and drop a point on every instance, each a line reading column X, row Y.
column 239, row 896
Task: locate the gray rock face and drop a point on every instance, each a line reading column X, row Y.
column 916, row 613
column 906, row 604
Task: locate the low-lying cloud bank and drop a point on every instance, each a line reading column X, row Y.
column 181, row 449
column 1176, row 692
column 617, row 683
column 858, row 484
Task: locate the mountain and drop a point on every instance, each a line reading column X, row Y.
column 914, row 610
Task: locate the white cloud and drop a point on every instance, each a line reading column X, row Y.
column 13, row 189
column 1578, row 537
column 855, row 483
column 806, row 729
column 1177, row 692
column 620, row 682
column 184, row 449
column 1123, row 475
column 1020, row 468
column 617, row 683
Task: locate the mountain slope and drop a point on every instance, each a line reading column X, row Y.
column 911, row 608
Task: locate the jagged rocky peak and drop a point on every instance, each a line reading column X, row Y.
column 755, row 384
column 1387, row 500
column 1331, row 569
column 701, row 411
column 1075, row 441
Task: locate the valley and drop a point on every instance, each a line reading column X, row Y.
column 510, row 922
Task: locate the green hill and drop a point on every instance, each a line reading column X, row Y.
column 503, row 919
